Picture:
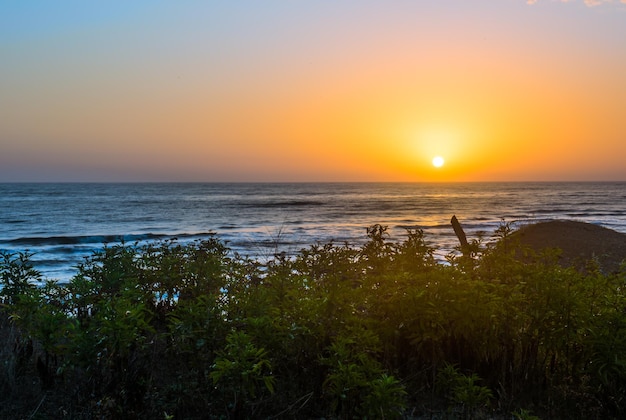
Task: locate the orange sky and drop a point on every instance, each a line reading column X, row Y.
column 313, row 91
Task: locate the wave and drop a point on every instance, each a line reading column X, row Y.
column 41, row 241
column 285, row 203
column 65, row 222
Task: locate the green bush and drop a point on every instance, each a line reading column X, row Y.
column 376, row 331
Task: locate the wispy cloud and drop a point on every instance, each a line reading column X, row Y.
column 590, row 3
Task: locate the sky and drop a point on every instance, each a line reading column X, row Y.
column 313, row 90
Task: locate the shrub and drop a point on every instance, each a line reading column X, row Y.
column 192, row 331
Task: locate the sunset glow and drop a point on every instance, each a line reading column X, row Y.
column 310, row 91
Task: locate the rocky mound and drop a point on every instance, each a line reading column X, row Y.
column 579, row 242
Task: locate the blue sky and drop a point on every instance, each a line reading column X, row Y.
column 312, row 90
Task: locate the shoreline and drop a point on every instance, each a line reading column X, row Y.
column 578, row 243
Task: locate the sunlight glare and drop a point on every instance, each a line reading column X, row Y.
column 438, row 161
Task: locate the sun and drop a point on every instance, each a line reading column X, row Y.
column 438, row 161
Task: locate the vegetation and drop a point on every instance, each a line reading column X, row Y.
column 191, row 331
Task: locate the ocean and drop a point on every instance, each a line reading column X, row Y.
column 66, row 222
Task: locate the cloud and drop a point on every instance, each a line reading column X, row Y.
column 592, row 3
column 589, row 3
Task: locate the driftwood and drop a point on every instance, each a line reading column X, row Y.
column 458, row 230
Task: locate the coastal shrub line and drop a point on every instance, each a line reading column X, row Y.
column 382, row 330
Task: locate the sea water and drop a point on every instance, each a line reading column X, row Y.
column 64, row 223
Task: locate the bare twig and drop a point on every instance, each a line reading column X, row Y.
column 306, row 399
column 38, row 405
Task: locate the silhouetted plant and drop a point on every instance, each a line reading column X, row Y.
column 17, row 275
column 351, row 367
column 335, row 330
column 241, row 372
column 522, row 414
column 463, row 389
column 386, row 398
